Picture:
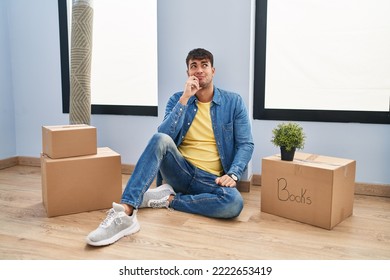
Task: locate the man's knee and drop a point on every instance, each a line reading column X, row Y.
column 161, row 142
column 234, row 204
column 161, row 138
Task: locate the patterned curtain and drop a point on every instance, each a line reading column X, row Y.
column 81, row 54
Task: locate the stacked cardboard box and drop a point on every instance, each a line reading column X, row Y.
column 77, row 176
column 312, row 189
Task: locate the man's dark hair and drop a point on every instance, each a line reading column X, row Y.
column 200, row 54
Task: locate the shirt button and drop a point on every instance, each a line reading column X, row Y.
column 188, row 123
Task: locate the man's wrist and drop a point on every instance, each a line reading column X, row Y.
column 233, row 176
column 183, row 100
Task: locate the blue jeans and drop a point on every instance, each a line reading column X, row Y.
column 196, row 190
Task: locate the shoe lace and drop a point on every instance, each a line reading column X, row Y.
column 111, row 215
column 159, row 204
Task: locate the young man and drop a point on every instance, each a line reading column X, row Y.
column 200, row 151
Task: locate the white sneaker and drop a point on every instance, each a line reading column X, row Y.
column 117, row 225
column 158, row 197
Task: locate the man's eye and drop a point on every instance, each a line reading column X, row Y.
column 205, row 65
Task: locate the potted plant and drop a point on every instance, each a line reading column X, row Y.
column 289, row 137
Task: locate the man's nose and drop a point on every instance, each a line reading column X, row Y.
column 199, row 69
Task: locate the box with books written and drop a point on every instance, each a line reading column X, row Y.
column 312, row 189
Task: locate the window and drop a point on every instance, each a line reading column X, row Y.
column 322, row 61
column 124, row 57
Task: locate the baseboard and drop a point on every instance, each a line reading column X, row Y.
column 9, row 162
column 370, row 189
column 256, row 180
column 244, row 186
column 28, row 161
column 127, row 169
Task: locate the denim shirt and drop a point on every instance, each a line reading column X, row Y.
column 230, row 122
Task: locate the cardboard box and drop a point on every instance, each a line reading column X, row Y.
column 312, row 189
column 62, row 141
column 79, row 184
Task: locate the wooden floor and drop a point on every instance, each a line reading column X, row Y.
column 26, row 232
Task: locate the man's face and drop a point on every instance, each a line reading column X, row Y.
column 202, row 69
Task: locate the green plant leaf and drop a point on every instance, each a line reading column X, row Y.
column 288, row 135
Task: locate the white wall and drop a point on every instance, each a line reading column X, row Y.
column 35, row 71
column 223, row 26
column 7, row 116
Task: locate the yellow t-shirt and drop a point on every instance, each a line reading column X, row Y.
column 199, row 146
